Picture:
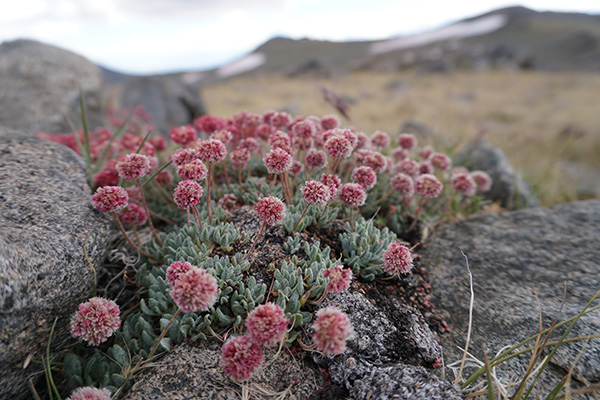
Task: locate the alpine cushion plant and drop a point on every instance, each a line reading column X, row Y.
column 201, row 280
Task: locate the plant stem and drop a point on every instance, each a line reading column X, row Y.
column 226, row 175
column 135, row 246
column 351, row 222
column 208, row 191
column 163, row 333
column 197, row 216
column 302, row 216
column 262, row 228
column 137, row 180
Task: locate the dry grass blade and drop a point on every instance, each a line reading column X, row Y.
column 462, row 363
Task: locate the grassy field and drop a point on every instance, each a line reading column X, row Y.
column 522, row 113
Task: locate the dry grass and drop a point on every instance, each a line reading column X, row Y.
column 522, row 113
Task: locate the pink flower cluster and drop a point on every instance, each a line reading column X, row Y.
column 365, row 177
column 90, row 393
column 278, row 161
column 187, row 194
column 240, row 357
column 397, row 259
column 110, row 198
column 195, row 170
column 194, row 290
column 183, row 135
column 339, row 278
column 315, row 192
column 428, row 186
column 270, row 210
column 133, row 166
column 176, row 269
column 352, row 195
column 332, row 329
column 96, row 320
column 134, row 214
column 211, row 150
column 266, row 325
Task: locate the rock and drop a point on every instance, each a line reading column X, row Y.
column 513, row 256
column 508, row 187
column 193, row 372
column 167, row 99
column 39, row 86
column 392, row 340
column 46, row 221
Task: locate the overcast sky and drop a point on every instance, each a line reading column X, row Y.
column 147, row 36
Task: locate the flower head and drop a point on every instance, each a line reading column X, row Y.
column 403, row 184
column 240, row 357
column 240, row 157
column 315, row 192
column 338, row 147
column 365, row 177
column 483, row 181
column 425, row 167
column 352, row 195
column 187, row 193
column 408, row 167
column 133, row 166
column 428, row 185
column 425, row 152
column 134, row 214
column 280, row 120
column 304, row 128
column 440, row 161
column 380, row 140
column 278, row 161
column 296, row 168
column 407, row 141
column 209, row 123
column 176, row 269
column 266, row 325
column 373, row 159
column 280, row 139
column 164, row 178
column 211, row 150
column 399, row 154
column 315, row 158
column 90, row 393
column 330, row 122
column 222, row 135
column 250, row 144
column 464, row 184
column 331, row 330
column 96, row 320
column 339, row 278
column 159, row 143
column 397, row 259
column 183, row 135
column 184, row 156
column 106, row 177
column 195, row 170
column 270, row 210
column 333, row 182
column 110, row 198
column 195, row 290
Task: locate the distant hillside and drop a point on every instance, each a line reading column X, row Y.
column 508, row 38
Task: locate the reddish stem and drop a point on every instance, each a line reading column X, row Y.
column 262, row 228
column 208, row 191
column 302, row 216
column 135, row 246
column 197, row 216
column 137, row 180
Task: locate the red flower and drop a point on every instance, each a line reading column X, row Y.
column 407, row 141
column 211, row 150
column 483, row 181
column 315, row 192
column 187, row 193
column 110, row 198
column 176, row 269
column 270, row 210
column 380, row 140
column 331, row 330
column 278, row 161
column 339, row 278
column 240, row 357
column 195, row 290
column 403, row 184
column 464, row 184
column 429, row 186
column 365, row 177
column 183, row 135
column 90, row 393
column 194, row 171
column 134, row 214
column 315, row 158
column 440, row 161
column 266, row 325
column 352, row 195
column 397, row 259
column 96, row 320
column 133, row 166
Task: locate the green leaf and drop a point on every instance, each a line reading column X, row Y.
column 119, row 355
column 72, row 365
